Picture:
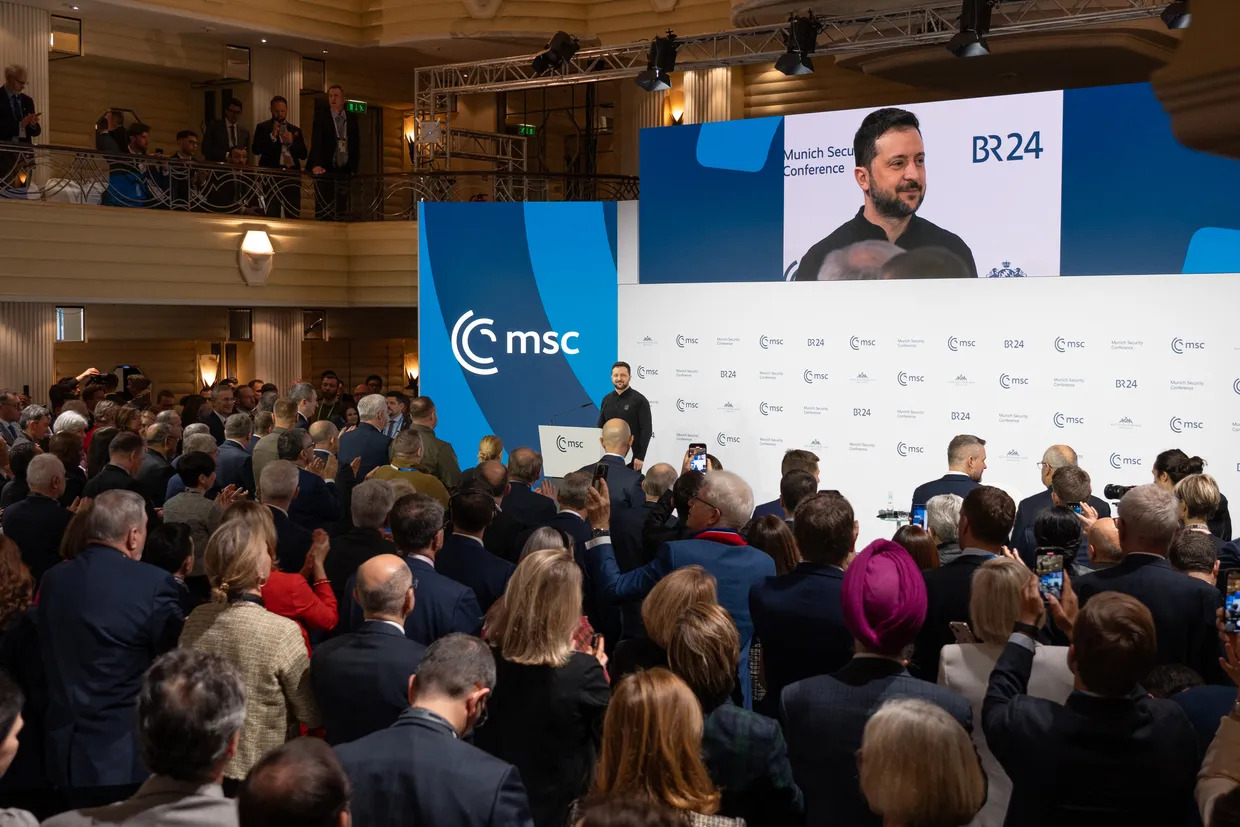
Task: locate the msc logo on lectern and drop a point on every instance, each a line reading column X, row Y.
column 563, row 443
column 546, row 343
column 724, row 440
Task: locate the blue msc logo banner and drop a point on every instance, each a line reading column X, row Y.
column 517, row 317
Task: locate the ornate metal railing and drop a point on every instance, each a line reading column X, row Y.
column 67, row 174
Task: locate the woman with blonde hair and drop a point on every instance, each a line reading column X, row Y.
column 491, row 447
column 652, row 745
column 286, row 593
column 994, row 607
column 129, row 418
column 267, row 649
column 547, row 706
column 1199, row 501
column 104, row 417
column 550, row 538
column 918, row 768
column 670, row 597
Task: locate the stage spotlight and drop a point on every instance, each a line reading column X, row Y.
column 660, row 64
column 559, row 51
column 801, row 38
column 1177, row 15
column 974, row 26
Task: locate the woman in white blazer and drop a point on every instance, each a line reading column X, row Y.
column 965, row 667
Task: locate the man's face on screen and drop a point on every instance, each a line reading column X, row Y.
column 620, row 379
column 896, row 179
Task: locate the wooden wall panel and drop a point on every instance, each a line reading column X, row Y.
column 105, row 322
column 632, row 21
column 768, row 92
column 355, row 359
column 172, row 364
column 383, row 264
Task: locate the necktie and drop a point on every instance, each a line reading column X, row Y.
column 17, row 107
column 232, row 135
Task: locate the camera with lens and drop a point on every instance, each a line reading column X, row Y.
column 1116, row 492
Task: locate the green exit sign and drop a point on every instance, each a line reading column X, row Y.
column 526, row 129
column 355, row 106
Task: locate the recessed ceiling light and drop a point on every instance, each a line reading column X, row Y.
column 264, row 40
column 324, row 51
column 75, row 8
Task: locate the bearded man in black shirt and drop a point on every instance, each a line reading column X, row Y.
column 629, row 405
column 891, row 172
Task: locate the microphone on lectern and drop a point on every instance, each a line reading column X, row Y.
column 551, row 421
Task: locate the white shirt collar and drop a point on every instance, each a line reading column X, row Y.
column 424, row 559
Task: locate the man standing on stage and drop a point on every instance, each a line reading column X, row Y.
column 629, row 405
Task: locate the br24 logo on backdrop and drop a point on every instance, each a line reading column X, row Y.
column 546, row 343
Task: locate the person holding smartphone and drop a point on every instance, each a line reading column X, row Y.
column 629, row 405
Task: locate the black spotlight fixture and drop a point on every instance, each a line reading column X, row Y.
column 801, row 38
column 974, row 26
column 559, row 51
column 660, row 64
column 1177, row 15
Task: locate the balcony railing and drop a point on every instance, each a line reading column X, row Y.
column 73, row 175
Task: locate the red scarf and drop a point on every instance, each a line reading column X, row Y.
column 726, row 536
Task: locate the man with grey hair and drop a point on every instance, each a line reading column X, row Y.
column 70, row 422
column 279, row 491
column 195, row 428
column 169, row 418
column 157, row 468
column 943, row 523
column 966, row 460
column 190, row 712
column 35, row 425
column 420, row 770
column 234, row 465
column 722, row 505
column 319, row 503
column 1183, row 608
column 38, row 522
column 306, row 397
column 859, row 261
column 102, row 619
column 367, row 441
column 361, row 680
column 203, row 443
column 1054, row 458
column 371, row 503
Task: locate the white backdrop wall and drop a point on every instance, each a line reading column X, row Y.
column 877, row 377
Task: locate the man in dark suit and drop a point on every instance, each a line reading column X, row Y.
column 1070, row 485
column 798, row 616
column 627, row 524
column 361, row 680
column 221, row 136
column 884, row 601
column 102, row 619
column 716, row 512
column 1055, row 457
column 234, row 466
column 18, row 121
column 501, row 535
column 986, row 517
column 464, row 558
column 1183, row 607
column 279, row 487
column 318, row 502
column 441, row 606
column 125, row 455
column 67, row 447
column 335, row 149
column 522, row 501
column 420, row 770
column 794, row 460
column 280, row 145
column 371, row 502
column 367, row 440
column 966, row 460
column 38, row 522
column 156, row 468
column 1109, row 731
column 623, row 482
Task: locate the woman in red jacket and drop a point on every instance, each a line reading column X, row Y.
column 288, row 594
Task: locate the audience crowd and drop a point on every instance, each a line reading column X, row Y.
column 248, row 607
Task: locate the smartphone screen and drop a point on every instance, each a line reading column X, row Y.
column 1050, row 574
column 1233, row 602
column 600, row 473
column 697, row 456
column 919, row 516
column 1077, row 508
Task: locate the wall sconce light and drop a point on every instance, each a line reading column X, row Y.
column 678, row 114
column 255, row 257
column 208, row 369
column 411, row 366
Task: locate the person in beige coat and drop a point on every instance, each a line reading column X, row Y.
column 267, row 649
column 965, row 668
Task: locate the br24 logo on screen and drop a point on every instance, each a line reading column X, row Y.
column 1015, row 147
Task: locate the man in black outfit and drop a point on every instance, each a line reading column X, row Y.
column 221, row 136
column 966, row 462
column 891, row 172
column 369, row 508
column 500, row 538
column 361, row 680
column 37, row 523
column 1139, row 754
column 522, row 501
column 1055, row 457
column 623, row 483
column 986, row 517
column 1183, row 607
column 420, row 770
column 629, row 405
column 335, row 148
column 18, row 120
column 280, row 145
